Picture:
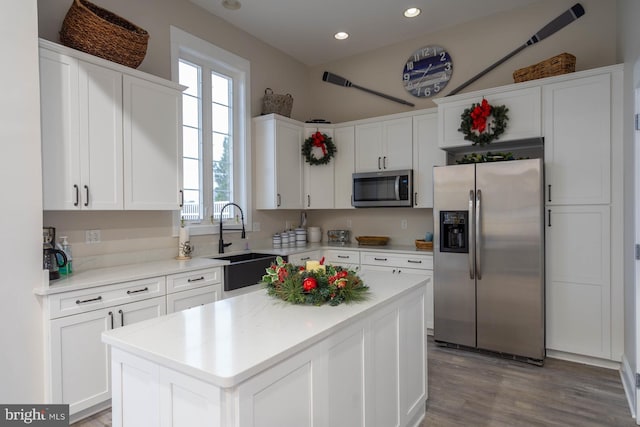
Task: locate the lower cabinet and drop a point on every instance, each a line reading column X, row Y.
column 343, row 258
column 193, row 298
column 193, row 288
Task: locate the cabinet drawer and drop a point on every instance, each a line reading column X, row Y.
column 303, row 257
column 421, row 262
column 193, row 279
column 341, row 257
column 193, row 297
column 91, row 299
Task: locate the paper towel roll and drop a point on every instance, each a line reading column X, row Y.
column 182, row 239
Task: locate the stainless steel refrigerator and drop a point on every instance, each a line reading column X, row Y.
column 489, row 257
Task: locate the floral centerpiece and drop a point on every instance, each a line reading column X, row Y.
column 314, row 283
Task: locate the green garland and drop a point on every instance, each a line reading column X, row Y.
column 326, row 284
column 322, row 141
column 476, row 127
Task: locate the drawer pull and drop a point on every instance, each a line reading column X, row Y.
column 344, row 256
column 138, row 290
column 414, row 261
column 121, row 317
column 380, row 259
column 305, row 258
column 111, row 316
column 196, row 280
column 89, row 300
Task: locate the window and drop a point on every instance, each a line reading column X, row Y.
column 215, row 132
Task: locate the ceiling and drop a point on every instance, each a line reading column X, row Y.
column 304, row 29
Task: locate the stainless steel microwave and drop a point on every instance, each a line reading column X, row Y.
column 383, row 189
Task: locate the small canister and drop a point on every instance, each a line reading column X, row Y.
column 285, row 238
column 277, row 240
column 301, row 237
column 314, row 234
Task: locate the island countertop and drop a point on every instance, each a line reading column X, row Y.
column 229, row 341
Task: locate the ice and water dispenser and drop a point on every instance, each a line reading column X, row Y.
column 454, row 231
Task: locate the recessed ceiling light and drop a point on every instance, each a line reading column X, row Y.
column 341, row 35
column 412, row 12
column 231, row 4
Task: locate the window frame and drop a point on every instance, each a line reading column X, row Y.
column 192, row 49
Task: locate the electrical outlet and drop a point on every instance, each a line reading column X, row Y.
column 92, row 236
column 256, row 226
column 403, row 224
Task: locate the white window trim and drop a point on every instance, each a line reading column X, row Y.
column 183, row 42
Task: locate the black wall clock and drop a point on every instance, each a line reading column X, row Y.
column 427, row 71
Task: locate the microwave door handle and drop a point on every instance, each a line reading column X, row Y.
column 397, row 187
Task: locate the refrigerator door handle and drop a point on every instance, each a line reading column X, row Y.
column 478, row 235
column 469, row 234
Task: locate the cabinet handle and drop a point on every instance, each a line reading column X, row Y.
column 308, row 200
column 111, row 316
column 121, row 317
column 379, row 163
column 384, row 162
column 86, row 190
column 380, row 259
column 549, row 192
column 89, row 300
column 413, row 261
column 415, row 199
column 195, row 280
column 344, row 256
column 181, row 198
column 549, row 218
column 307, row 258
column 393, row 271
column 138, row 290
column 77, row 190
column 278, row 199
column 399, row 271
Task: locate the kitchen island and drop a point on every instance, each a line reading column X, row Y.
column 256, row 361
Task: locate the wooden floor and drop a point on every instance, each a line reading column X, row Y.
column 473, row 389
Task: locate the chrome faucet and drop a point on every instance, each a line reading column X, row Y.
column 221, row 243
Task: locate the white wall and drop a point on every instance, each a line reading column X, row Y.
column 21, row 357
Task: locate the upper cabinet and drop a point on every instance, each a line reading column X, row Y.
column 426, row 155
column 278, row 145
column 318, row 179
column 524, row 114
column 344, row 166
column 111, row 136
column 384, row 145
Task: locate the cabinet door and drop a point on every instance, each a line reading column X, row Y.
column 100, row 91
column 152, row 145
column 578, row 309
column 429, row 301
column 369, row 147
column 134, row 312
column 79, row 359
column 60, row 131
column 397, row 137
column 319, row 179
column 344, row 166
column 577, row 139
column 193, row 297
column 289, row 165
column 426, row 155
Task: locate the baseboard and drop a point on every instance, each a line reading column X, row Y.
column 586, row 360
column 85, row 413
column 628, row 382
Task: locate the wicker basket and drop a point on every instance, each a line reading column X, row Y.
column 97, row 31
column 560, row 64
column 423, row 244
column 279, row 104
column 372, row 240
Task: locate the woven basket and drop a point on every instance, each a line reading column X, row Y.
column 279, row 104
column 97, row 31
column 423, row 244
column 560, row 64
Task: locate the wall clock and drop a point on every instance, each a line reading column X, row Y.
column 427, row 71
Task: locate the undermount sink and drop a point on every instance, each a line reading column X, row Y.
column 245, row 269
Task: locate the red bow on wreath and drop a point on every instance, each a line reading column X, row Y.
column 318, row 141
column 480, row 115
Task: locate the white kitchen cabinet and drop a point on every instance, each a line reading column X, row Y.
column 319, row 179
column 402, row 263
column 111, row 136
column 81, row 117
column 577, row 140
column 302, row 257
column 343, row 258
column 152, row 145
column 384, row 145
column 525, row 116
column 578, row 287
column 426, row 155
column 80, row 361
column 344, row 166
column 193, row 288
column 278, row 145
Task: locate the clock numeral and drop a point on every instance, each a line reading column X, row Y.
column 409, row 65
column 406, row 77
column 443, row 56
column 436, row 87
column 447, row 66
column 427, row 91
column 425, row 52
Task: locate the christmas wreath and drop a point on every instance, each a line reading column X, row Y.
column 477, row 125
column 314, row 284
column 318, row 143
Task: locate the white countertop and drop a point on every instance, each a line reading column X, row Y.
column 231, row 340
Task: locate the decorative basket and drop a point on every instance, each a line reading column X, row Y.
column 423, row 244
column 279, row 104
column 372, row 240
column 560, row 64
column 97, row 31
